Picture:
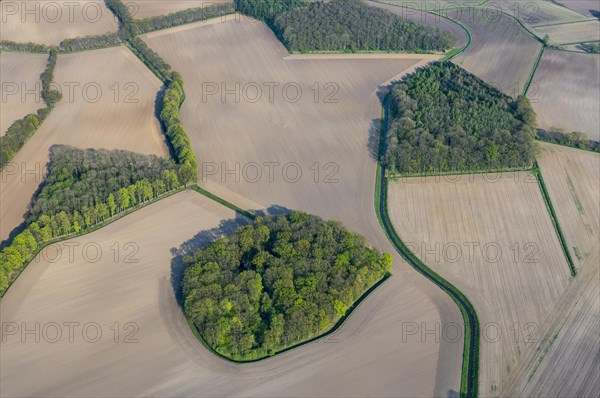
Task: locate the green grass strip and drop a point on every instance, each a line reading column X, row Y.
column 554, row 218
column 564, row 23
column 532, row 73
column 470, row 364
column 223, row 202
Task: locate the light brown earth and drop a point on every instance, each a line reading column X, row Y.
column 571, row 334
column 535, row 12
column 366, row 357
column 337, row 139
column 121, row 118
column 19, row 74
column 50, row 22
column 573, row 180
column 494, row 240
column 571, row 33
column 584, row 7
column 564, row 92
column 502, row 52
column 152, row 8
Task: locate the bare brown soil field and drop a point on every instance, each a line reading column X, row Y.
column 573, row 180
column 108, row 102
column 50, row 22
column 366, row 357
column 301, row 152
column 535, row 12
column 20, row 72
column 584, row 7
column 492, row 237
column 570, row 335
column 502, row 52
column 571, row 33
column 424, row 18
column 152, row 8
column 564, row 92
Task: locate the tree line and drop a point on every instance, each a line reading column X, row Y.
column 267, row 10
column 352, row 25
column 444, row 119
column 277, row 282
column 91, row 42
column 9, row 45
column 575, row 139
column 21, row 130
column 174, row 94
column 82, row 189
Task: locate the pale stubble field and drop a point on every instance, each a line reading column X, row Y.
column 108, row 102
column 494, row 240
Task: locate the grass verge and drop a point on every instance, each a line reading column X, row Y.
column 554, row 218
column 470, row 364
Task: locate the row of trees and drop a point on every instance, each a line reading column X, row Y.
column 181, row 17
column 90, row 42
column 82, row 189
column 574, row 139
column 21, row 130
column 267, row 10
column 352, row 25
column 276, row 283
column 78, row 178
column 173, row 95
column 444, row 119
column 24, row 47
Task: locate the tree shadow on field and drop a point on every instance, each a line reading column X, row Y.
column 199, row 241
column 204, row 238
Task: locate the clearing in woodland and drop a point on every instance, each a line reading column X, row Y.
column 564, row 92
column 108, row 102
column 21, row 86
column 491, row 236
column 307, row 145
column 50, row 22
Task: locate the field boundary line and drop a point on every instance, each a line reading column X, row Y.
column 453, row 52
column 555, row 222
column 564, row 23
column 91, row 229
column 470, row 364
column 532, row 73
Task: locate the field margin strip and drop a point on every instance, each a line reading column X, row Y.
column 552, row 213
column 470, row 364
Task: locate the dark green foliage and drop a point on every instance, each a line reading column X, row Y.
column 266, row 10
column 352, row 25
column 181, row 17
column 84, row 188
column 83, row 178
column 90, row 42
column 178, row 138
column 150, row 58
column 16, row 136
column 21, row 130
column 444, row 119
column 50, row 97
column 276, row 283
column 23, row 47
column 574, row 139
